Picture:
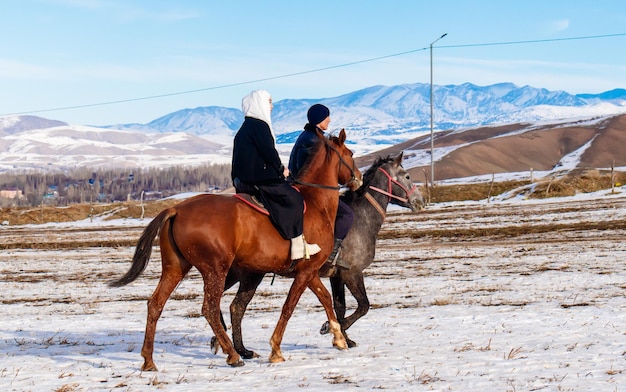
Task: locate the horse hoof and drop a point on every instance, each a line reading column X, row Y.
column 149, row 367
column 276, row 358
column 238, row 363
column 325, row 328
column 248, row 354
column 351, row 343
column 340, row 344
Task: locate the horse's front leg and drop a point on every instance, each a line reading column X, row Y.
column 338, row 291
column 298, row 286
column 325, row 299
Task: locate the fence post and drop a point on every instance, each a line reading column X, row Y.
column 427, row 187
column 613, row 176
column 143, row 210
column 493, row 177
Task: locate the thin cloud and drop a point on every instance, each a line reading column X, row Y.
column 558, row 26
column 126, row 13
column 11, row 69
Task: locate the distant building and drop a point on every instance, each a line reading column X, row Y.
column 51, row 193
column 11, row 193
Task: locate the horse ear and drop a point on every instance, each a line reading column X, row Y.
column 342, row 136
column 398, row 160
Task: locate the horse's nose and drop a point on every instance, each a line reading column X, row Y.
column 358, row 182
column 418, row 204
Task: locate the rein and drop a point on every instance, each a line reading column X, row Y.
column 334, row 188
column 388, row 193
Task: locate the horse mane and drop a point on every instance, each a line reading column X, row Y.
column 314, row 149
column 350, row 196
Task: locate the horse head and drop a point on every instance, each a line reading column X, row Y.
column 415, row 199
column 349, row 175
column 398, row 187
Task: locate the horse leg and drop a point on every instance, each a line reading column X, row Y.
column 231, row 279
column 174, row 269
column 247, row 288
column 356, row 285
column 339, row 300
column 324, row 297
column 211, row 310
column 295, row 292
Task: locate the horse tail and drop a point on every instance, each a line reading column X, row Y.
column 144, row 248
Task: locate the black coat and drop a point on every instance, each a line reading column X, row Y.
column 255, row 159
column 301, row 149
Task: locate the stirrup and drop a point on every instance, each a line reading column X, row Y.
column 334, row 255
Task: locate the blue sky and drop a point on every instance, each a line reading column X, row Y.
column 66, row 53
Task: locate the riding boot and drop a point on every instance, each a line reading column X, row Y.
column 301, row 250
column 334, row 255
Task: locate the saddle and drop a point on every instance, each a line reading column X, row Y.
column 249, row 194
column 253, row 202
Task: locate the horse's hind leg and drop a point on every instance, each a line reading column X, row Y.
column 231, row 279
column 247, row 288
column 174, row 269
column 213, row 290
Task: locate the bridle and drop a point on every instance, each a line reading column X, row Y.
column 390, row 182
column 342, row 161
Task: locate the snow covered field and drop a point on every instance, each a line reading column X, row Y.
column 505, row 296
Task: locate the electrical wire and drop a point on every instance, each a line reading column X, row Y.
column 313, row 71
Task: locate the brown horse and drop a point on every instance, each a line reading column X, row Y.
column 386, row 181
column 216, row 232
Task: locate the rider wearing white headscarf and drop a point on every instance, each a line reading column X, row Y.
column 255, row 159
column 258, row 104
column 257, row 168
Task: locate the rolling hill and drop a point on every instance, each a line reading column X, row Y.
column 480, row 131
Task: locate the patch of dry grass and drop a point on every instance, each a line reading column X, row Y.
column 569, row 185
column 76, row 212
column 580, row 181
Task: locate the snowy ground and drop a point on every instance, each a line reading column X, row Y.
column 500, row 296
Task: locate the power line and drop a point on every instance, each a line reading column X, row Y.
column 313, row 71
column 216, row 87
column 536, row 41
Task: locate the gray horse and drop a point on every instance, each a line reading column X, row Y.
column 386, row 181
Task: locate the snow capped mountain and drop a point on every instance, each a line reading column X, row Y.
column 379, row 113
column 218, row 122
column 64, row 146
column 375, row 118
column 616, row 94
column 17, row 124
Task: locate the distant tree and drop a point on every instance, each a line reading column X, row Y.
column 81, row 185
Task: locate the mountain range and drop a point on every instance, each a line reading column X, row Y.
column 376, row 118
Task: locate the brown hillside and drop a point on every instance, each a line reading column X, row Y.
column 609, row 146
column 489, row 150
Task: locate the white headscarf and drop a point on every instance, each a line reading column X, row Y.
column 257, row 105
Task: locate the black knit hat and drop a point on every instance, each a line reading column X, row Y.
column 317, row 113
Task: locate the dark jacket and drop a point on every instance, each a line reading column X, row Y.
column 255, row 159
column 301, row 149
